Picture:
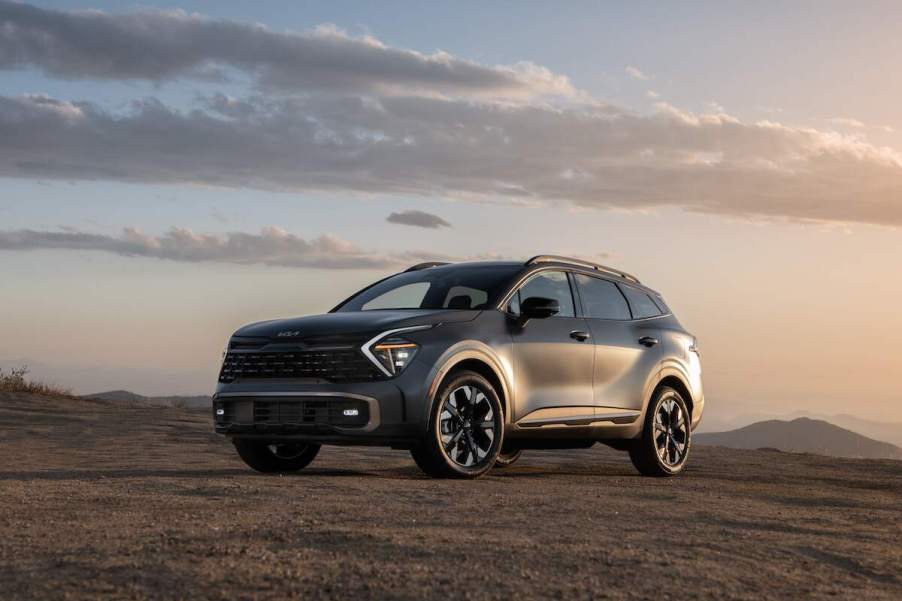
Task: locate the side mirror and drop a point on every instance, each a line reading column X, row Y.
column 537, row 307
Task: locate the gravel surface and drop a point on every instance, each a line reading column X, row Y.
column 105, row 501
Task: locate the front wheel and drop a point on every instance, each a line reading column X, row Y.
column 274, row 458
column 466, row 429
column 664, row 446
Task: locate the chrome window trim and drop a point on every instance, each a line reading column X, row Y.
column 505, row 299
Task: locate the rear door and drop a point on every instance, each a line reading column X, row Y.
column 553, row 357
column 626, row 348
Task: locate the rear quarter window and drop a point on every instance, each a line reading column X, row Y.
column 641, row 304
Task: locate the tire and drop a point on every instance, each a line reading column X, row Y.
column 455, row 445
column 666, row 439
column 507, row 457
column 274, row 458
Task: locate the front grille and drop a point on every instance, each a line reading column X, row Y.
column 313, row 411
column 334, row 365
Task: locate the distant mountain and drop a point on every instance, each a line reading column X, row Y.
column 802, row 435
column 888, row 431
column 128, row 397
column 119, row 396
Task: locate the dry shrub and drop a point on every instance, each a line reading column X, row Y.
column 15, row 380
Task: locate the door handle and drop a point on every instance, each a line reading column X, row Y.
column 579, row 335
column 648, row 341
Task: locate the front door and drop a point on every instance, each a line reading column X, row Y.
column 553, row 357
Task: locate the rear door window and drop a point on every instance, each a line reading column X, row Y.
column 601, row 298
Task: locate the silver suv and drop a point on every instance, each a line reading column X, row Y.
column 466, row 365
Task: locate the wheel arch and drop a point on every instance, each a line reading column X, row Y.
column 673, row 380
column 478, row 360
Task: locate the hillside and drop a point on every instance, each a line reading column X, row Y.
column 878, row 429
column 105, row 500
column 127, row 397
column 885, row 431
column 802, row 435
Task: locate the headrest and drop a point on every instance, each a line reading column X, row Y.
column 460, row 302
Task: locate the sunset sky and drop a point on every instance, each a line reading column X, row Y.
column 170, row 171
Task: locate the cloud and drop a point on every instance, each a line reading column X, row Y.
column 272, row 246
column 846, row 122
column 635, row 73
column 591, row 156
column 166, row 45
column 354, row 115
column 418, row 219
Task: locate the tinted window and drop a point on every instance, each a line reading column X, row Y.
column 437, row 288
column 601, row 298
column 403, row 297
column 661, row 304
column 640, row 303
column 548, row 284
column 464, row 297
column 513, row 305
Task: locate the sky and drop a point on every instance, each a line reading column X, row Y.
column 170, row 171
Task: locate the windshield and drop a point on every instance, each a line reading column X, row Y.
column 471, row 287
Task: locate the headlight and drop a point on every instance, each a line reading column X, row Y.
column 395, row 354
column 390, row 353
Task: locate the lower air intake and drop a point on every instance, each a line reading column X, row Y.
column 293, row 412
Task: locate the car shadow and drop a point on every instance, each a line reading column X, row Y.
column 400, row 472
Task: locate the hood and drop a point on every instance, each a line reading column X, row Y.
column 351, row 322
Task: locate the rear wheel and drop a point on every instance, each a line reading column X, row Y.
column 507, row 457
column 466, row 429
column 273, row 458
column 664, row 446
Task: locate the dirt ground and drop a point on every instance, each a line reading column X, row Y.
column 105, row 501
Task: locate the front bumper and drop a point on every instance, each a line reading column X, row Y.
column 386, row 412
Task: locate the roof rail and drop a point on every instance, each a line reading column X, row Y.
column 581, row 263
column 425, row 265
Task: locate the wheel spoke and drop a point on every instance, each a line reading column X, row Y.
column 676, row 453
column 452, row 411
column 472, row 447
column 662, row 449
column 468, row 392
column 661, row 439
column 452, row 442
